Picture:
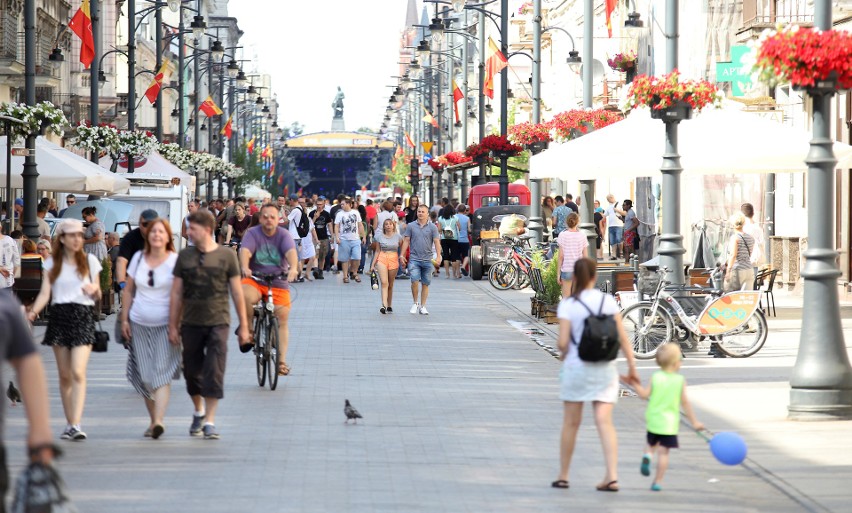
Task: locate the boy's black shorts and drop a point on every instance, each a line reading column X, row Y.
column 669, row 441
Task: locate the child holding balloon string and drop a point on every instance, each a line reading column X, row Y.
column 665, row 393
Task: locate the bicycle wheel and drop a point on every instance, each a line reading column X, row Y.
column 502, row 275
column 522, row 281
column 748, row 339
column 272, row 351
column 260, row 349
column 645, row 331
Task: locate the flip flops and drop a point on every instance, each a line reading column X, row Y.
column 561, row 483
column 612, row 486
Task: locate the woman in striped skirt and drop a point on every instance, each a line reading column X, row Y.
column 153, row 361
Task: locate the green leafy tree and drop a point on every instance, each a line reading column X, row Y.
column 398, row 176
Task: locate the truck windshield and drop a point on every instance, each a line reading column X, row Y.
column 493, row 201
column 141, row 204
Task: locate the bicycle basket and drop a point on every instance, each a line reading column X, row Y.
column 648, row 281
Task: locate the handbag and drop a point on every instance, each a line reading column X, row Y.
column 101, row 343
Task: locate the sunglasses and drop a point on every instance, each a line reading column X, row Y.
column 151, row 278
column 70, row 202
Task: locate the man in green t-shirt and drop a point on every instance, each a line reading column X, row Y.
column 200, row 317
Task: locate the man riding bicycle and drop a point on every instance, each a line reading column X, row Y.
column 269, row 249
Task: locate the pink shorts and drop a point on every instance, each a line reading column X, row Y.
column 389, row 259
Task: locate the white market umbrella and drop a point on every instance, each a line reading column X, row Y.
column 714, row 142
column 153, row 164
column 60, row 170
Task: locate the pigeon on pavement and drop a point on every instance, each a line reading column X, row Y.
column 14, row 394
column 351, row 413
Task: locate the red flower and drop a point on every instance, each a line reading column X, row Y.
column 475, row 150
column 660, row 93
column 574, row 123
column 457, row 157
column 500, row 143
column 529, row 133
column 804, row 56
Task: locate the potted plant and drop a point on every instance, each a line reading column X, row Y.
column 812, row 60
column 552, row 289
column 102, row 138
column 454, row 158
column 571, row 124
column 500, row 146
column 107, row 297
column 539, row 263
column 37, row 119
column 534, row 136
column 136, row 143
column 625, row 63
column 477, row 153
column 671, row 98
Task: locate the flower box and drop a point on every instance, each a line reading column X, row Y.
column 680, row 111
column 811, row 60
column 669, row 91
column 497, row 154
column 538, row 147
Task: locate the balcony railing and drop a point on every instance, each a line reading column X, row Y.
column 760, row 14
column 8, row 35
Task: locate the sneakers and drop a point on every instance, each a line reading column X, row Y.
column 656, row 488
column 195, row 429
column 73, row 433
column 645, row 468
column 414, row 308
column 210, row 432
column 390, row 310
column 423, row 311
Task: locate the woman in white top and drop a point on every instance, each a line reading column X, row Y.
column 152, row 362
column 72, row 285
column 589, row 381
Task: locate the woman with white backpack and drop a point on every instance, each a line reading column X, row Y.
column 448, row 225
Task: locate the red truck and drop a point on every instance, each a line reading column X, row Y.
column 487, row 246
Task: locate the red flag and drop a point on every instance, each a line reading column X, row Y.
column 457, row 95
column 250, row 146
column 280, row 181
column 429, row 119
column 408, row 140
column 81, row 24
column 495, row 63
column 209, row 108
column 267, row 152
column 610, row 6
column 155, row 86
column 227, row 131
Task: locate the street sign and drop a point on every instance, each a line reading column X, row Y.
column 23, row 152
column 427, row 146
column 425, row 170
column 734, row 72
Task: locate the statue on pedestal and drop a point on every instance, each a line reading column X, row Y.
column 337, row 105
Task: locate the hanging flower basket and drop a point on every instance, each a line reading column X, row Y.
column 528, row 133
column 435, row 165
column 100, row 139
column 499, row 146
column 623, row 62
column 811, row 60
column 136, row 143
column 679, row 111
column 477, row 153
column 37, row 120
column 669, row 91
column 571, row 124
column 455, row 158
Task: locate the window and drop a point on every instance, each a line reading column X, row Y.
column 493, row 201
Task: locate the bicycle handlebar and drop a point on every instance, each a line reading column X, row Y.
column 268, row 278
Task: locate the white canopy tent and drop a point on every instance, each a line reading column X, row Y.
column 154, row 164
column 714, row 142
column 60, row 170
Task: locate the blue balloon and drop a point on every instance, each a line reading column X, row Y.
column 729, row 448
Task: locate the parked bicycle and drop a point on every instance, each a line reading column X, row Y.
column 694, row 314
column 265, row 330
column 514, row 271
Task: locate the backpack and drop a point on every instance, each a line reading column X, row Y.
column 599, row 342
column 303, row 228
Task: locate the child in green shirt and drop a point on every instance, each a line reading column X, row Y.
column 665, row 394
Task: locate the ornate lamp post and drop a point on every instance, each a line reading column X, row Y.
column 821, row 383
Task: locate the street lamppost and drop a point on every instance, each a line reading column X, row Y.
column 30, row 172
column 821, row 382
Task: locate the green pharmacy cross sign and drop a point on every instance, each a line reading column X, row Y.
column 733, row 71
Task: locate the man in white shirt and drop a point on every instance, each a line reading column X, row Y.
column 10, row 260
column 615, row 227
column 294, row 217
column 753, row 229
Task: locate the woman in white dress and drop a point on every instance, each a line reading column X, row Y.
column 583, row 381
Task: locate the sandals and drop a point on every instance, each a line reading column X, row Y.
column 357, row 278
column 561, row 483
column 345, row 280
column 612, row 486
column 283, row 369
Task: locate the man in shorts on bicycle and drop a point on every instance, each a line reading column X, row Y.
column 270, row 249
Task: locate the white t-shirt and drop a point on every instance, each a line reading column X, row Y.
column 68, row 287
column 10, row 259
column 753, row 229
column 384, row 214
column 151, row 304
column 570, row 310
column 612, row 217
column 295, row 216
column 348, row 222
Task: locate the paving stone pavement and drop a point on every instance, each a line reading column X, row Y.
column 461, row 413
